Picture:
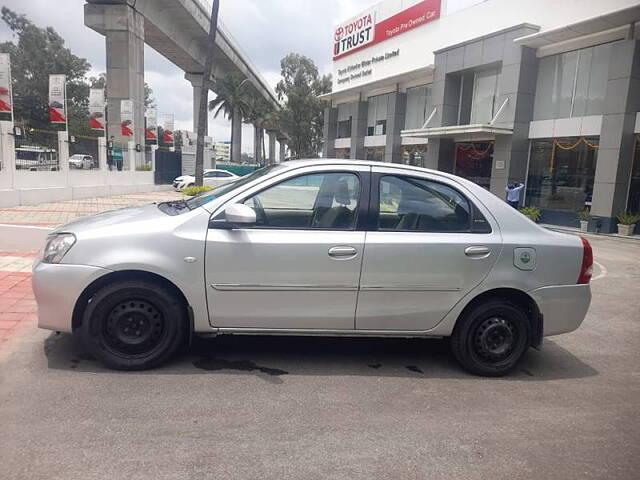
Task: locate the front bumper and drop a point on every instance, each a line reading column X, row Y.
column 57, row 287
column 563, row 307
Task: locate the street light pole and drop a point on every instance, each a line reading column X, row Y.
column 204, row 95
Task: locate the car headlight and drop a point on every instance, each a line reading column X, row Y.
column 57, row 247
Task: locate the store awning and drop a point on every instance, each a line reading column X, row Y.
column 456, row 131
column 616, row 19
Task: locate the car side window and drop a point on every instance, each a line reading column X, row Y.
column 313, row 201
column 208, row 174
column 413, row 204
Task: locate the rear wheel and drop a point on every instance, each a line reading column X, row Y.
column 134, row 325
column 491, row 338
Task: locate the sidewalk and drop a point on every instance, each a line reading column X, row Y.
column 577, row 231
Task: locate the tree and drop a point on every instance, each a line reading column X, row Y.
column 232, row 99
column 38, row 53
column 259, row 114
column 302, row 115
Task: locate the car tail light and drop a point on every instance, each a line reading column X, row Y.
column 587, row 262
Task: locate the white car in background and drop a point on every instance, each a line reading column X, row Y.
column 212, row 177
column 80, row 160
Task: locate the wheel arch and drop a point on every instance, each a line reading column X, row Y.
column 518, row 297
column 93, row 287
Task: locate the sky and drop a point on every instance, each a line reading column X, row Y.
column 266, row 30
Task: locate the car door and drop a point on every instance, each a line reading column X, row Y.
column 299, row 266
column 431, row 244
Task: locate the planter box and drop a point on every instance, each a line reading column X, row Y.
column 626, row 230
column 584, row 226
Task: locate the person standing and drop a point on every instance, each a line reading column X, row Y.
column 513, row 194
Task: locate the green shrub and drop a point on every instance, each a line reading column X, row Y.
column 144, row 168
column 191, row 191
column 584, row 215
column 627, row 218
column 533, row 213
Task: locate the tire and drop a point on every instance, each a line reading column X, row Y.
column 134, row 325
column 491, row 338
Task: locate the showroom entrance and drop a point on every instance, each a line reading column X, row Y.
column 473, row 161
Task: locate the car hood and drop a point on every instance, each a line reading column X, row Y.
column 123, row 218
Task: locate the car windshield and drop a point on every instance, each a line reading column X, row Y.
column 206, row 197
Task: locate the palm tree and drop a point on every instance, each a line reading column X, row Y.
column 232, row 94
column 257, row 106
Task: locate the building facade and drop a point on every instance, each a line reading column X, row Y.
column 541, row 92
column 223, row 151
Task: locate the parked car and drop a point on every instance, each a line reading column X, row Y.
column 212, row 178
column 322, row 247
column 81, row 161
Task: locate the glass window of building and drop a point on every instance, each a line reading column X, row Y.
column 377, row 114
column 473, row 162
column 344, row 120
column 561, row 173
column 485, row 95
column 419, row 106
column 572, row 84
column 633, row 202
column 414, row 155
column 343, row 153
column 374, row 153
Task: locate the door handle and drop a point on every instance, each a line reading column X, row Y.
column 343, row 251
column 477, row 251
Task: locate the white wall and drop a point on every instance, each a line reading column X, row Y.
column 417, row 45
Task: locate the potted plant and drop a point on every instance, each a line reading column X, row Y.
column 627, row 222
column 533, row 213
column 584, row 216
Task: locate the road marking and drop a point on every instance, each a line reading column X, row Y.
column 603, row 271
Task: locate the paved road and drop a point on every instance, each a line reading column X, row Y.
column 331, row 409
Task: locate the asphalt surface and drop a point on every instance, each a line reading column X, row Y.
column 276, row 408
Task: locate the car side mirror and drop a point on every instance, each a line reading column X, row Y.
column 236, row 215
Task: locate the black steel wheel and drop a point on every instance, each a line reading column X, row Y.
column 134, row 325
column 491, row 338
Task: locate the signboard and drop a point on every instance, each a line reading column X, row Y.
column 126, row 118
column 168, row 124
column 96, row 109
column 57, row 99
column 6, row 103
column 151, row 130
column 361, row 32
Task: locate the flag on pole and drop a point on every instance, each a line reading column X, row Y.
column 57, row 100
column 126, row 118
column 168, row 124
column 151, row 131
column 96, row 109
column 6, row 102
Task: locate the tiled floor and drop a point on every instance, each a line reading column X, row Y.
column 18, row 308
column 58, row 213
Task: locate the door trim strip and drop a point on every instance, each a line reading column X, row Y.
column 407, row 288
column 281, row 287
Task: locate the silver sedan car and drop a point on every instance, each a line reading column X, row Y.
column 321, row 247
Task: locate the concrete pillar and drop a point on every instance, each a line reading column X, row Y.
column 283, row 150
column 196, row 82
column 63, row 151
column 123, row 28
column 272, row 147
column 257, row 145
column 7, row 156
column 131, row 150
column 358, row 130
column 613, row 167
column 102, row 154
column 395, row 123
column 154, row 149
column 329, row 132
column 236, row 137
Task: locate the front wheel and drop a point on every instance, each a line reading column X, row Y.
column 491, row 338
column 134, row 325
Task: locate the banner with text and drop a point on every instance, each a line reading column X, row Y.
column 96, row 109
column 168, row 125
column 57, row 100
column 151, row 130
column 362, row 31
column 6, row 102
column 126, row 118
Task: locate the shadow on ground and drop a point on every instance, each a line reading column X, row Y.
column 274, row 358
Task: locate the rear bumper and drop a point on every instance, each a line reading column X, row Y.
column 562, row 307
column 57, row 288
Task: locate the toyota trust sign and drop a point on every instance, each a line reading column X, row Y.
column 363, row 31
